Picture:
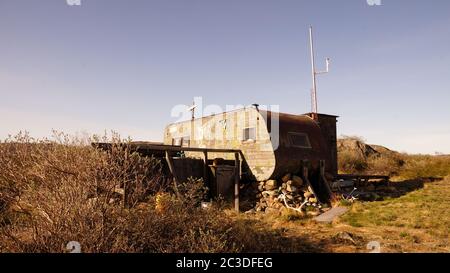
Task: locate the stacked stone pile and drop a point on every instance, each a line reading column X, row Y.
column 289, row 192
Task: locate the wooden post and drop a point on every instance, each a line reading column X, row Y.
column 236, row 181
column 306, row 177
column 205, row 168
column 169, row 160
column 322, row 175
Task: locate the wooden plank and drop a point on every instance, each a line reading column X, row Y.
column 145, row 146
column 359, row 177
column 330, row 215
column 205, row 168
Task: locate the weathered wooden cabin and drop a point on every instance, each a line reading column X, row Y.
column 272, row 144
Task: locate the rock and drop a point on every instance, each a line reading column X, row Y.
column 297, row 181
column 286, row 178
column 290, row 197
column 270, row 185
column 308, row 194
column 261, row 187
column 312, row 200
column 272, row 193
column 344, row 237
column 370, row 187
column 292, row 189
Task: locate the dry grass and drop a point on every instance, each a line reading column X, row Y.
column 53, row 192
column 425, row 166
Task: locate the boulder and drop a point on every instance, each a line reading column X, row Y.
column 270, row 185
column 290, row 197
column 297, row 181
column 308, row 194
column 291, row 189
column 286, row 178
column 261, row 187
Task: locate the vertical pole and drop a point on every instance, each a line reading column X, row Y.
column 205, row 168
column 313, row 68
column 237, row 175
column 324, row 179
column 169, row 160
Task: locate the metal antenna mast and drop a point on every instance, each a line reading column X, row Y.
column 315, row 73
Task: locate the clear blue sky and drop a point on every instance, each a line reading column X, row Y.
column 123, row 65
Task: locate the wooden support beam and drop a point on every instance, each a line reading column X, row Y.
column 324, row 179
column 169, row 160
column 237, row 177
column 205, row 168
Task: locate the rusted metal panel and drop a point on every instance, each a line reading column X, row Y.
column 327, row 125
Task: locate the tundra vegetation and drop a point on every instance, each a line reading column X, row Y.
column 53, row 191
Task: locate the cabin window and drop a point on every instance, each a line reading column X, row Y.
column 249, row 134
column 186, row 142
column 299, row 140
column 176, row 141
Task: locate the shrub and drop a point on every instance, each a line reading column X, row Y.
column 53, row 192
column 426, row 166
column 351, row 162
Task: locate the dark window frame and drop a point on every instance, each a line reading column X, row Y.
column 177, row 141
column 296, row 145
column 186, row 141
column 246, row 136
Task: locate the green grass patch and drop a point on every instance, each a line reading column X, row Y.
column 427, row 208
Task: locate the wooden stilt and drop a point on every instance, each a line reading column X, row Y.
column 237, row 176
